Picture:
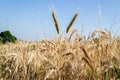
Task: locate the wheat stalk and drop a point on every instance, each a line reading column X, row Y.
column 88, row 62
column 75, row 31
column 86, row 54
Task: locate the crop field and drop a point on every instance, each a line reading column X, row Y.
column 73, row 57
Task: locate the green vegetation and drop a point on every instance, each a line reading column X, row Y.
column 6, row 36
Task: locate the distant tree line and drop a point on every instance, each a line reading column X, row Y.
column 6, row 36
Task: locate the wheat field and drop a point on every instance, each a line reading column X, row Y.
column 72, row 58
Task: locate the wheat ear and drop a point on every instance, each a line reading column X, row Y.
column 71, row 23
column 55, row 22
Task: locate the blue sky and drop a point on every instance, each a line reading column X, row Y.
column 32, row 20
